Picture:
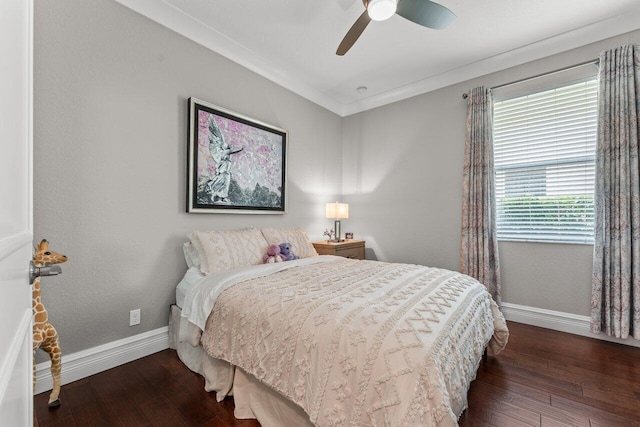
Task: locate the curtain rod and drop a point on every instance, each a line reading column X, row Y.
column 592, row 61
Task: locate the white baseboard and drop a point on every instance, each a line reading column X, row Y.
column 558, row 321
column 98, row 359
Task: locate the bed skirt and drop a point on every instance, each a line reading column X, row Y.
column 253, row 399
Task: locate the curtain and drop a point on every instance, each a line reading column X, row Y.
column 615, row 298
column 479, row 244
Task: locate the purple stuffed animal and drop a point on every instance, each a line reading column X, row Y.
column 285, row 251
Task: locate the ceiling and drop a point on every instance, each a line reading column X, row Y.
column 293, row 42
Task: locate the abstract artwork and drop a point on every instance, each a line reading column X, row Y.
column 236, row 164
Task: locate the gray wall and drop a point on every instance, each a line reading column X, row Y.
column 110, row 111
column 109, row 170
column 403, row 180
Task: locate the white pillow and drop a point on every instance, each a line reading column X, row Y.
column 191, row 255
column 300, row 243
column 226, row 250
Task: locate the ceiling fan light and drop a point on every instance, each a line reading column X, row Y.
column 380, row 10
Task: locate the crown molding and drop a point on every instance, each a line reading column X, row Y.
column 176, row 20
column 197, row 31
column 554, row 45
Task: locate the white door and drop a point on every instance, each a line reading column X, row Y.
column 16, row 212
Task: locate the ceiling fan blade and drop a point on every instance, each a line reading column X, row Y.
column 354, row 32
column 426, row 13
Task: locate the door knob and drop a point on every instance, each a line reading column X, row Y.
column 48, row 270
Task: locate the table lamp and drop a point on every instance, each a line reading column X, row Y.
column 337, row 211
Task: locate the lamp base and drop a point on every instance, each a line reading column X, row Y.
column 336, row 229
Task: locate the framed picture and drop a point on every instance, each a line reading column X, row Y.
column 236, row 164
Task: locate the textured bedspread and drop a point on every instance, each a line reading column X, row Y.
column 360, row 343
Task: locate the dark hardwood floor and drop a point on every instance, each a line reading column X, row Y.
column 543, row 378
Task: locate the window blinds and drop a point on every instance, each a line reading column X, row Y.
column 544, row 147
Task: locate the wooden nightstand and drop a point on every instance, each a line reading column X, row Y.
column 347, row 248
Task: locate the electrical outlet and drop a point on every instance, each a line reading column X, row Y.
column 134, row 317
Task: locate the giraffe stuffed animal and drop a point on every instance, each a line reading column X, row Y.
column 44, row 334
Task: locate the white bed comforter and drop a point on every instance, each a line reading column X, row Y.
column 354, row 343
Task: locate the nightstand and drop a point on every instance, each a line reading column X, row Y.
column 347, row 248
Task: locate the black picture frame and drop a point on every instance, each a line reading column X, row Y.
column 236, row 164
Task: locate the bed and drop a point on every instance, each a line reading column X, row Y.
column 329, row 341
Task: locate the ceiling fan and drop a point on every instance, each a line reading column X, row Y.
column 422, row 12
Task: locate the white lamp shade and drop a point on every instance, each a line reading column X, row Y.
column 336, row 210
column 379, row 10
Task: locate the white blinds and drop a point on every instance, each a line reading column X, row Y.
column 544, row 147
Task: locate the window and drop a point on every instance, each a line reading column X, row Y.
column 544, row 148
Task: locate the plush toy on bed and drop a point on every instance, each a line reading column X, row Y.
column 285, row 250
column 273, row 255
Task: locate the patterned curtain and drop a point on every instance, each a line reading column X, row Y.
column 615, row 298
column 479, row 245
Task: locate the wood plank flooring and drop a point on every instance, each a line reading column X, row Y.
column 543, row 378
